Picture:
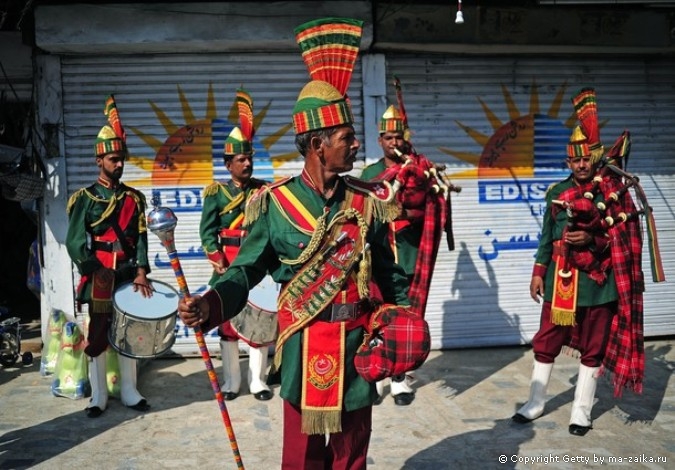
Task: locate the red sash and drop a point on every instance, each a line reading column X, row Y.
column 565, row 291
column 104, row 285
column 327, row 274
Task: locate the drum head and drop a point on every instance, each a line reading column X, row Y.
column 264, row 295
column 163, row 303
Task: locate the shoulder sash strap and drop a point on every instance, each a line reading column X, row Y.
column 319, row 281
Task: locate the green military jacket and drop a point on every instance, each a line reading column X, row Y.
column 222, row 205
column 89, row 211
column 274, row 237
column 589, row 292
column 406, row 240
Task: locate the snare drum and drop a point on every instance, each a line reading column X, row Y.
column 257, row 322
column 144, row 327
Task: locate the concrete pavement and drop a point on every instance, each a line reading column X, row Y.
column 459, row 419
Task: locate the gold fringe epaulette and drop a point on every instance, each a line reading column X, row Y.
column 72, row 199
column 381, row 194
column 258, row 201
column 212, row 189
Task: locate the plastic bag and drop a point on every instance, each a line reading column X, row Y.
column 71, row 377
column 112, row 374
column 52, row 346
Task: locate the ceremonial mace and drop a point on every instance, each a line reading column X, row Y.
column 162, row 222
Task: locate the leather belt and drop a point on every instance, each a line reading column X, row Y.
column 98, row 245
column 231, row 241
column 340, row 312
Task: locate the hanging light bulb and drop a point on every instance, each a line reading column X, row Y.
column 459, row 19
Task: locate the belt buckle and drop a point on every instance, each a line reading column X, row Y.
column 342, row 312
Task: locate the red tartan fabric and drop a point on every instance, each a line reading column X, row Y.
column 624, row 356
column 399, row 342
column 416, row 193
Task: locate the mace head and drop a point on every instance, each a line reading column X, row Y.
column 161, row 219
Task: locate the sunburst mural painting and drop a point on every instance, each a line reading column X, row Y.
column 526, row 145
column 192, row 154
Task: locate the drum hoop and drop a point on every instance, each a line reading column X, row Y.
column 114, row 345
column 253, row 302
column 136, row 317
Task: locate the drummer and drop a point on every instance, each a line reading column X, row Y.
column 107, row 241
column 221, row 230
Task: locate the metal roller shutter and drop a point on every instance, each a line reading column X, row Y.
column 460, row 108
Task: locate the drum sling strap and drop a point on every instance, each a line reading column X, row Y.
column 326, row 274
column 103, row 286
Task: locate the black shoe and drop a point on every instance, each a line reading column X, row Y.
column 404, row 399
column 379, row 400
column 229, row 396
column 93, row 412
column 577, row 430
column 140, row 406
column 263, row 395
column 520, row 419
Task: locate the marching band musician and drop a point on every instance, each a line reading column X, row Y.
column 320, row 235
column 588, row 274
column 107, row 241
column 222, row 231
column 418, row 203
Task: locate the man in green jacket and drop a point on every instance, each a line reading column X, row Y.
column 107, row 240
column 581, row 254
column 222, row 231
column 321, row 236
column 405, row 232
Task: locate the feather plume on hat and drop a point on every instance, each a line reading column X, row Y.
column 240, row 140
column 112, row 137
column 586, row 108
column 330, row 47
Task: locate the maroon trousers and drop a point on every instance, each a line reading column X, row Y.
column 346, row 450
column 97, row 333
column 592, row 329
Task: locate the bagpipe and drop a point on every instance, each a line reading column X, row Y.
column 600, row 207
column 417, row 181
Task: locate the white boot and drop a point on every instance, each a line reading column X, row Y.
column 584, row 396
column 379, row 387
column 257, row 372
column 99, row 386
column 129, row 394
column 229, row 352
column 401, row 389
column 541, row 374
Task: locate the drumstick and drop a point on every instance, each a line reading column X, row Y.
column 162, row 222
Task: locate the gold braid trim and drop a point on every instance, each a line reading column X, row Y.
column 238, row 199
column 112, row 202
column 314, row 242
